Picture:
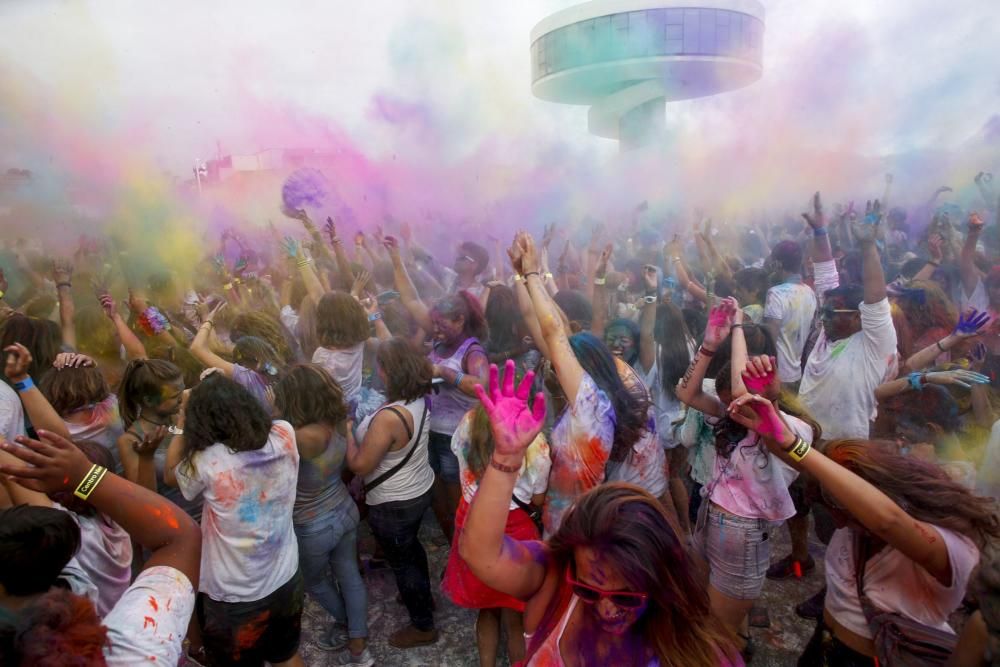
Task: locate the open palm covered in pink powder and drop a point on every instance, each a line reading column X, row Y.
column 514, row 423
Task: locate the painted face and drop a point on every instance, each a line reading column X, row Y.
column 168, row 402
column 619, row 340
column 446, row 330
column 840, row 320
column 594, row 572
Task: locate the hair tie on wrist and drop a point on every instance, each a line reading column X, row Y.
column 940, row 346
column 530, row 273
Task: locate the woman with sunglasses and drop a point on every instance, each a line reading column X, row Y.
column 614, row 585
column 916, row 530
column 747, row 497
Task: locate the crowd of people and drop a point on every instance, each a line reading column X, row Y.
column 608, row 433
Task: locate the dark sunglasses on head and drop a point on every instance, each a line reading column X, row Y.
column 591, row 595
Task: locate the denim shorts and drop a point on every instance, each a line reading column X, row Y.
column 738, row 551
column 443, row 460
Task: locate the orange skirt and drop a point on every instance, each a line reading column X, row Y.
column 463, row 587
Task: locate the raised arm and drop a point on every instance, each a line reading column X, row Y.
column 600, row 301
column 134, row 349
column 505, row 563
column 868, row 233
column 967, row 263
column 202, row 350
column 568, row 369
column 720, row 320
column 407, row 292
column 55, row 464
column 36, row 406
column 647, row 319
column 62, row 274
column 970, row 324
column 874, row 510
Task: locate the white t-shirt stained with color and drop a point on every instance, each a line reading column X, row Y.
column 794, row 305
column 840, row 377
column 148, row 624
column 248, row 542
column 895, row 583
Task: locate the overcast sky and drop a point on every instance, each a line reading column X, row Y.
column 169, row 79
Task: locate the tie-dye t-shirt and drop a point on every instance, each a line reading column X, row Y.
column 248, row 543
column 581, row 444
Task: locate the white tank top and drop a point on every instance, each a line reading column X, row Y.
column 413, row 479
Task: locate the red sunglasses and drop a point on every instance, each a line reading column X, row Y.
column 592, row 595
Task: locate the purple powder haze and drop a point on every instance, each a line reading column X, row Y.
column 305, row 189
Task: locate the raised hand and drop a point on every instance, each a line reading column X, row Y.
column 18, row 361
column 391, row 244
column 72, row 360
column 292, row 247
column 360, row 283
column 602, row 262
column 935, row 247
column 760, row 416
column 331, row 229
column 958, row 377
column 869, row 230
column 405, row 232
column 53, row 463
column 976, row 222
column 108, row 304
column 720, row 321
column 759, row 373
column 649, row 277
column 360, row 240
column 514, row 253
column 530, row 261
column 816, row 219
column 548, row 234
column 514, row 423
column 971, row 323
column 673, row 249
column 62, row 270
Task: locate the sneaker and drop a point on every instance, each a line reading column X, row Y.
column 785, row 568
column 348, row 659
column 411, row 637
column 334, row 640
column 813, row 607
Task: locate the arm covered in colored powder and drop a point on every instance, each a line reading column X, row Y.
column 507, row 564
column 56, row 464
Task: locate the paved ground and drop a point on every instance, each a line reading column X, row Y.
column 778, row 645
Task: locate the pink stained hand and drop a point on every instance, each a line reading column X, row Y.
column 514, row 423
column 759, row 415
column 720, row 321
column 759, row 373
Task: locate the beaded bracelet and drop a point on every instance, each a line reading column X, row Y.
column 90, row 481
column 458, row 379
column 152, row 322
column 916, row 381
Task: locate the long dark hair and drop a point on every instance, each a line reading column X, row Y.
column 221, row 411
column 631, row 410
column 630, row 529
column 142, row 380
column 408, row 373
column 674, row 339
column 258, row 355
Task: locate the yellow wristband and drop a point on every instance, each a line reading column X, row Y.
column 600, row 281
column 518, row 277
column 799, row 450
column 548, row 275
column 90, row 481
